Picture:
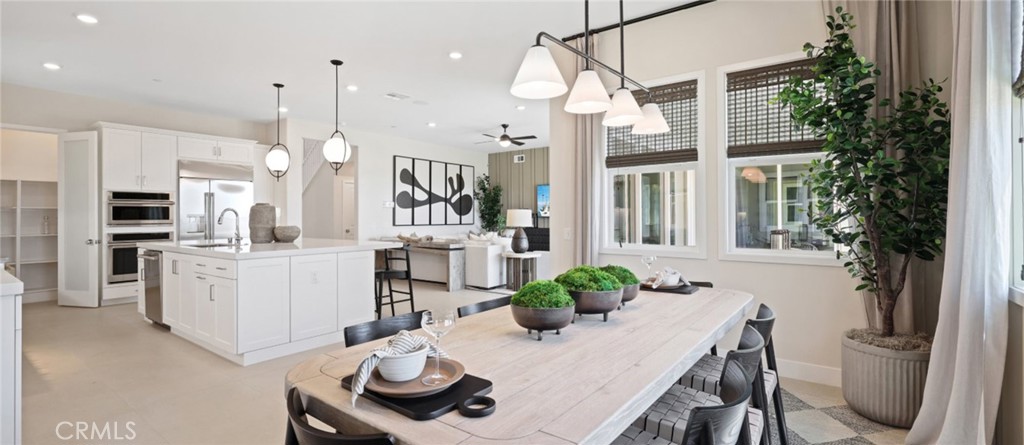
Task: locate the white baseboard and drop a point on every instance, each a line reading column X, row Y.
column 39, row 297
column 808, row 372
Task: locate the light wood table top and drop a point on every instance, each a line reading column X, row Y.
column 583, row 386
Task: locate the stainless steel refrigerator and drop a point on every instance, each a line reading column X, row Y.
column 230, row 186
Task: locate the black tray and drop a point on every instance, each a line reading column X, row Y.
column 674, row 290
column 434, row 405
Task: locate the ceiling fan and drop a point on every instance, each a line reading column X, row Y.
column 505, row 140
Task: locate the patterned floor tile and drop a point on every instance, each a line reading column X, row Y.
column 793, row 403
column 856, row 440
column 891, row 437
column 855, row 421
column 817, row 427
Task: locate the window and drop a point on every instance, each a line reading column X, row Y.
column 652, row 180
column 768, row 158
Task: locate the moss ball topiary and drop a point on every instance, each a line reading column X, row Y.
column 542, row 294
column 588, row 279
column 625, row 276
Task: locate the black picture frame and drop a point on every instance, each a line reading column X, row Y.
column 415, row 188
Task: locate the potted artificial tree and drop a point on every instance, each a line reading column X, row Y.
column 542, row 305
column 881, row 189
column 488, row 198
column 595, row 291
column 630, row 283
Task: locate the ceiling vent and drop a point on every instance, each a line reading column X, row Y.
column 396, row 96
column 519, row 159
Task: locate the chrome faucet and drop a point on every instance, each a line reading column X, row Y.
column 238, row 234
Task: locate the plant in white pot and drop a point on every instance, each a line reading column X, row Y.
column 881, row 186
column 488, row 201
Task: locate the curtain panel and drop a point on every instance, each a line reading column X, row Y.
column 588, row 150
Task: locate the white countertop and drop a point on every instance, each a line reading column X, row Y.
column 9, row 285
column 306, row 246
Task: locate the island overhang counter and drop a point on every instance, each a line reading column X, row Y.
column 257, row 302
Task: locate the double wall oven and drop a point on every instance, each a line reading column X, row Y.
column 134, row 217
column 139, row 209
column 122, row 254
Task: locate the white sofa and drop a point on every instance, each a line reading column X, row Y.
column 485, row 267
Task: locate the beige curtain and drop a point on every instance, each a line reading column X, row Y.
column 887, row 34
column 589, row 155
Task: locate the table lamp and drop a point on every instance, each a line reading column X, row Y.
column 519, row 218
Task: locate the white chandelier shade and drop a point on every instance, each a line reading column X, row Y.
column 624, row 111
column 538, row 76
column 588, row 95
column 653, row 121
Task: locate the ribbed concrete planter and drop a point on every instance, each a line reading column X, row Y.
column 883, row 385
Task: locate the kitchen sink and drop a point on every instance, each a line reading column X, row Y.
column 210, row 245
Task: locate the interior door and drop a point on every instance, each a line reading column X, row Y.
column 78, row 220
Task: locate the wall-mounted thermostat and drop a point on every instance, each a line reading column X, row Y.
column 519, row 159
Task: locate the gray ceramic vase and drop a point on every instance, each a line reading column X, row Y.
column 286, row 234
column 262, row 220
column 601, row 302
column 543, row 319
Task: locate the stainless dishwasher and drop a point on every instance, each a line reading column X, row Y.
column 150, row 264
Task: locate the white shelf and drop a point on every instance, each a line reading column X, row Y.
column 44, row 261
column 23, row 206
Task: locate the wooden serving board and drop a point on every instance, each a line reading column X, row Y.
column 432, row 406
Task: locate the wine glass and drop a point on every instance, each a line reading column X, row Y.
column 648, row 261
column 437, row 323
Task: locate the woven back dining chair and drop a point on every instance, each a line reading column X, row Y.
column 300, row 432
column 385, row 327
column 765, row 323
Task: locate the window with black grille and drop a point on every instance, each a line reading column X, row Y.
column 678, row 103
column 758, row 125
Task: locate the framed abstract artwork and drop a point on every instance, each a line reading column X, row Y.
column 432, row 193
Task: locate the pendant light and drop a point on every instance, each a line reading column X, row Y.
column 278, row 158
column 653, row 122
column 588, row 95
column 538, row 76
column 337, row 150
column 624, row 109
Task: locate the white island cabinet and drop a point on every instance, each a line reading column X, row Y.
column 11, row 290
column 257, row 302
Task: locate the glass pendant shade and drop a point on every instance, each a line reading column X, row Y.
column 653, row 121
column 624, row 111
column 278, row 160
column 588, row 95
column 538, row 76
column 337, row 150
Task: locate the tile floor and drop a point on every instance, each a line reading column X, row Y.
column 817, row 414
column 110, row 368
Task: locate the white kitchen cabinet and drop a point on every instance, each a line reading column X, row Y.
column 215, row 311
column 263, row 303
column 355, row 285
column 213, row 150
column 206, row 319
column 135, row 160
column 159, row 161
column 174, row 268
column 122, row 154
column 314, row 290
column 186, row 295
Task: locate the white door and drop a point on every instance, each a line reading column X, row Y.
column 206, row 317
column 224, row 313
column 348, row 208
column 314, row 290
column 78, row 220
column 121, row 150
column 233, row 152
column 203, row 149
column 159, row 159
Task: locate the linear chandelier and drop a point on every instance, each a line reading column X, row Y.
column 538, row 78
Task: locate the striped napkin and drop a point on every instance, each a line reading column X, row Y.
column 401, row 343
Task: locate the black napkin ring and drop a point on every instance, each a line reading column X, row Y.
column 466, row 406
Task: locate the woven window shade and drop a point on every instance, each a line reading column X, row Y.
column 678, row 103
column 758, row 127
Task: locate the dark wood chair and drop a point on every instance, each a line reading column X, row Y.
column 385, row 327
column 391, row 273
column 483, row 306
column 300, row 432
column 764, row 323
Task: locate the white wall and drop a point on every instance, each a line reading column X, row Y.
column 28, row 155
column 815, row 304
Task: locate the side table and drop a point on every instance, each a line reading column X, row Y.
column 521, row 268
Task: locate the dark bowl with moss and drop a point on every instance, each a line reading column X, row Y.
column 595, row 291
column 543, row 305
column 630, row 283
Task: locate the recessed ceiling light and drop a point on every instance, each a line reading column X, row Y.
column 520, row 107
column 157, row 80
column 283, row 109
column 87, row 19
column 455, row 55
column 431, row 124
column 352, row 88
column 51, row 66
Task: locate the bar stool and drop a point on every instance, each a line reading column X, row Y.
column 704, row 375
column 390, row 273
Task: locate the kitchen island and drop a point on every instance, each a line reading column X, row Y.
column 257, row 302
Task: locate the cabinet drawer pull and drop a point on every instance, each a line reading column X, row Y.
column 200, row 265
column 174, row 267
column 200, row 277
column 211, row 292
column 222, row 268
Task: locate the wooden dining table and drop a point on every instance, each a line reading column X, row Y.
column 584, row 386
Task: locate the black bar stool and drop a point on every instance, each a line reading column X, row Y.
column 389, row 274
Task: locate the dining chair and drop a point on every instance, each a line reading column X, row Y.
column 704, row 375
column 483, row 306
column 389, row 274
column 385, row 327
column 300, row 432
column 686, row 416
